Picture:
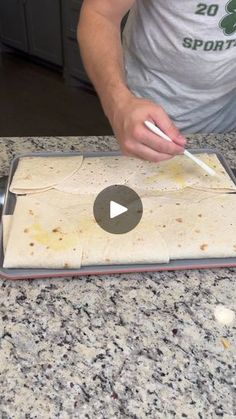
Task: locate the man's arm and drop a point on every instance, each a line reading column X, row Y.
column 100, row 45
column 101, row 50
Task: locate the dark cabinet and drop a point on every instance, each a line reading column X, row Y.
column 13, row 30
column 74, row 71
column 33, row 26
column 44, row 29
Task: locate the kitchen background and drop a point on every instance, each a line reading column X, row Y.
column 44, row 89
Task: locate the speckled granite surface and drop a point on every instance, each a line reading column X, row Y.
column 122, row 346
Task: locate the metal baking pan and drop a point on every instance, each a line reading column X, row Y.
column 9, row 205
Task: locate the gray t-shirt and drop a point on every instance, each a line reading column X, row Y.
column 182, row 55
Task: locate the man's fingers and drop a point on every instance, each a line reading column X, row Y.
column 162, row 120
column 158, row 144
column 137, row 140
column 143, row 152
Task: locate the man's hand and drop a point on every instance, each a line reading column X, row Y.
column 135, row 139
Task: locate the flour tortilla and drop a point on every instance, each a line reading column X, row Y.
column 28, row 191
column 187, row 195
column 205, row 229
column 184, row 224
column 219, row 183
column 64, row 200
column 143, row 244
column 38, row 225
column 41, row 173
column 6, row 226
column 179, row 173
column 43, row 236
column 97, row 173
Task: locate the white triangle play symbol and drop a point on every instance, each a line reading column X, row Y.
column 116, row 209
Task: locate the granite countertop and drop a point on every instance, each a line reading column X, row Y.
column 123, row 346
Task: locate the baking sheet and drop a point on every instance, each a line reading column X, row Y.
column 9, row 206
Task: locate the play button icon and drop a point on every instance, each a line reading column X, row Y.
column 117, row 209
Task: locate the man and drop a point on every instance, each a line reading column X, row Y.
column 178, row 69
